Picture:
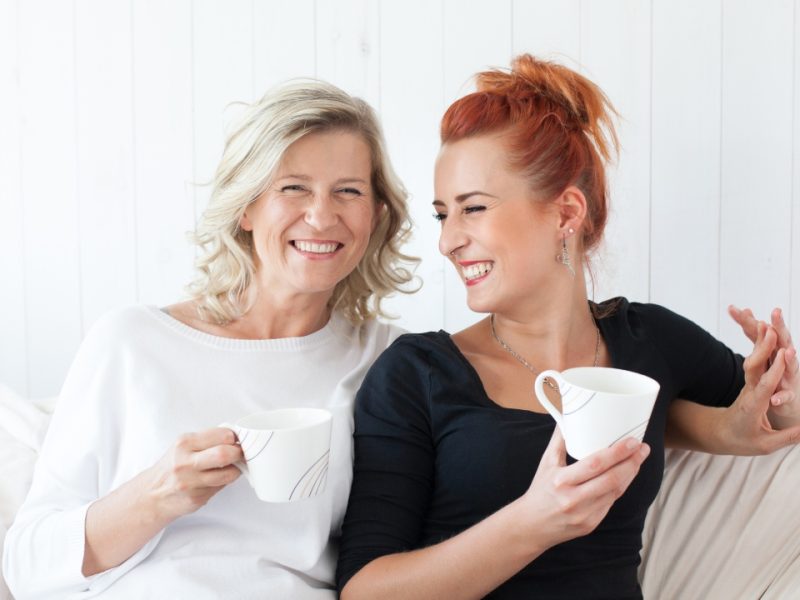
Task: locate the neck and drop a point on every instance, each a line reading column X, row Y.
column 272, row 317
column 554, row 331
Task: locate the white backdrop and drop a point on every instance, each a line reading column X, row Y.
column 112, row 110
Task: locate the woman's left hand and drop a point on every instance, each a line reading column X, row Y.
column 749, row 426
column 784, row 407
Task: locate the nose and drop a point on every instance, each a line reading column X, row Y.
column 321, row 212
column 451, row 238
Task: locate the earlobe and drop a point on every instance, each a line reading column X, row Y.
column 572, row 210
column 244, row 223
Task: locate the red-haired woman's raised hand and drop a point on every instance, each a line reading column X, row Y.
column 784, row 403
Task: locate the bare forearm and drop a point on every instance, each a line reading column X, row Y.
column 469, row 565
column 119, row 524
column 692, row 426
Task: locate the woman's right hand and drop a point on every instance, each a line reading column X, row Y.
column 195, row 468
column 570, row 501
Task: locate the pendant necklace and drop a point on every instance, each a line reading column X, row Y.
column 528, row 365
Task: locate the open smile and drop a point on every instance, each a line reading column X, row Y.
column 316, row 249
column 475, row 271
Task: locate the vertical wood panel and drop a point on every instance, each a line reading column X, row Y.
column 616, row 55
column 348, row 46
column 411, row 114
column 548, row 29
column 687, row 38
column 162, row 102
column 284, row 42
column 477, row 35
column 13, row 335
column 755, row 236
column 222, row 67
column 104, row 156
column 52, row 266
column 793, row 308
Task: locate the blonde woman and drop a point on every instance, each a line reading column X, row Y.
column 136, row 494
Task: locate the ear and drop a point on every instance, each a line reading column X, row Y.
column 571, row 206
column 244, row 222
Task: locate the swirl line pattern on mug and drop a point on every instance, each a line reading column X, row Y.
column 313, row 480
column 637, row 432
column 256, row 444
column 583, row 398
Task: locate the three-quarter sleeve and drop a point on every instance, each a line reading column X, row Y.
column 44, row 548
column 394, row 460
column 705, row 369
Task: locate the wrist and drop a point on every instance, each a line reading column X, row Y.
column 527, row 532
column 721, row 430
column 149, row 501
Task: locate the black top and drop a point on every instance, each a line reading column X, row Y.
column 434, row 454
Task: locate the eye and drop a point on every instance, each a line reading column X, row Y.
column 293, row 188
column 349, row 192
column 439, row 216
column 473, row 209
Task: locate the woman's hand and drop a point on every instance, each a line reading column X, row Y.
column 571, row 501
column 563, row 502
column 784, row 404
column 195, row 468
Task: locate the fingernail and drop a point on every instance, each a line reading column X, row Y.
column 632, row 443
column 644, row 452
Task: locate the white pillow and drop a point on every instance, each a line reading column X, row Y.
column 16, row 472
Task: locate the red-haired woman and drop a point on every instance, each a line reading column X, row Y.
column 461, row 484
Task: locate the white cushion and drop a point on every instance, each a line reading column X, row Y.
column 724, row 527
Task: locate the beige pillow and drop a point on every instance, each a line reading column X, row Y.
column 724, row 527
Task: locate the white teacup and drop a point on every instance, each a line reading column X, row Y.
column 286, row 452
column 599, row 406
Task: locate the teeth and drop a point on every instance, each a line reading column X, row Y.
column 477, row 270
column 316, row 248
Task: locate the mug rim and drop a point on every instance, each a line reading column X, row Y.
column 652, row 384
column 318, row 416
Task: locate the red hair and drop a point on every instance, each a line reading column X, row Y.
column 559, row 126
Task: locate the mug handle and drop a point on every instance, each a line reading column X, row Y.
column 538, row 388
column 241, row 465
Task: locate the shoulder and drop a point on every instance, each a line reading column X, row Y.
column 397, row 386
column 121, row 325
column 646, row 321
column 419, row 348
column 379, row 333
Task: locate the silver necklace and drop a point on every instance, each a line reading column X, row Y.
column 528, row 365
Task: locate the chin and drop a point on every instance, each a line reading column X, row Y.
column 480, row 306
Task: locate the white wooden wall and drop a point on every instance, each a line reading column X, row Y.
column 111, row 111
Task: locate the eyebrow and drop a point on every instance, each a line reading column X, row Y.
column 465, row 196
column 337, row 182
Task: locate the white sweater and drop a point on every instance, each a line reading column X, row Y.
column 140, row 379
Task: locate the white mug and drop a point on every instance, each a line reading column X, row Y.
column 599, row 406
column 286, row 452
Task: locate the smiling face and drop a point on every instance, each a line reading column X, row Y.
column 499, row 238
column 312, row 225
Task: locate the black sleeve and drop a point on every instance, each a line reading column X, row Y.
column 706, row 370
column 394, row 460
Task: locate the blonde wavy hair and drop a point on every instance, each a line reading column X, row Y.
column 253, row 152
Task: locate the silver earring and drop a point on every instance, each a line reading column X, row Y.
column 563, row 256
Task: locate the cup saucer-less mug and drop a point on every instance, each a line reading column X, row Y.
column 286, row 452
column 599, row 406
